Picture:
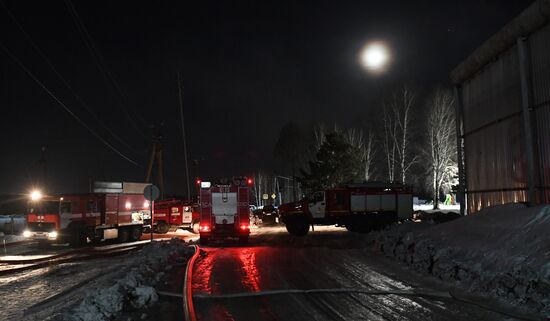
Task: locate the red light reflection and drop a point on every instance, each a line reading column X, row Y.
column 251, row 277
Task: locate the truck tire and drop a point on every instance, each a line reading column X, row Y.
column 123, row 235
column 243, row 239
column 162, row 227
column 195, row 228
column 365, row 224
column 135, row 233
column 78, row 238
column 297, row 226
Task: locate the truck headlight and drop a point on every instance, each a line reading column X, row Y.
column 52, row 235
column 26, row 233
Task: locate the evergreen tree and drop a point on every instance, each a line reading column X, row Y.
column 336, row 162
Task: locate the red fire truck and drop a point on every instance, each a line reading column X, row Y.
column 75, row 218
column 358, row 207
column 224, row 209
column 174, row 214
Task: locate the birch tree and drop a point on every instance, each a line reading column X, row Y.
column 397, row 131
column 369, row 157
column 440, row 151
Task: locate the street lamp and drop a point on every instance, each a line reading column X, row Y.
column 375, row 56
column 36, row 195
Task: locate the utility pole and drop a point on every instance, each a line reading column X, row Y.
column 156, row 156
column 183, row 137
column 43, row 163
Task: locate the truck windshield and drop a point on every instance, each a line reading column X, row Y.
column 44, row 207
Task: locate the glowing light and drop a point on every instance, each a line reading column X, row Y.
column 375, row 56
column 244, row 227
column 26, row 233
column 36, row 195
column 52, row 235
column 128, row 205
column 204, row 228
column 146, row 204
column 198, row 181
column 249, row 181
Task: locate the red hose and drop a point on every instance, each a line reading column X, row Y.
column 189, row 308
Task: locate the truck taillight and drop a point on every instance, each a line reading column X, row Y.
column 198, row 181
column 249, row 181
column 204, row 228
column 244, row 227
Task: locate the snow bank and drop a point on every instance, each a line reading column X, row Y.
column 503, row 251
column 11, row 238
column 132, row 287
column 12, row 224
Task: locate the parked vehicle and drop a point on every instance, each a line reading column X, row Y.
column 174, row 214
column 224, row 210
column 358, row 207
column 268, row 214
column 77, row 218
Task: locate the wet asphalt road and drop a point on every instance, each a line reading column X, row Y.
column 327, row 258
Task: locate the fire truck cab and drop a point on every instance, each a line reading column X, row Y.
column 224, row 209
column 174, row 214
column 358, row 207
column 77, row 218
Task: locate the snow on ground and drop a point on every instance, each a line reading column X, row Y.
column 430, row 207
column 503, row 251
column 12, row 224
column 11, row 238
column 131, row 287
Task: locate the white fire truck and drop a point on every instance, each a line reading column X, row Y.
column 224, row 209
column 358, row 207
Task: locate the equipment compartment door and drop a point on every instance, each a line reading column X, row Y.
column 317, row 205
column 224, row 207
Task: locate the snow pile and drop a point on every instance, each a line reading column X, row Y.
column 503, row 251
column 11, row 238
column 132, row 286
column 12, row 224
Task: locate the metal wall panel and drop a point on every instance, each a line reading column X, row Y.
column 495, row 157
column 539, row 44
column 494, row 93
column 496, row 166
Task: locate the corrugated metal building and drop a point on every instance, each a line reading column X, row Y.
column 503, row 112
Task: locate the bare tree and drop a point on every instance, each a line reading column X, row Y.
column 397, row 132
column 369, row 157
column 319, row 132
column 441, row 149
column 390, row 132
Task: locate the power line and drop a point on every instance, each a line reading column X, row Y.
column 63, row 80
column 100, row 63
column 67, row 109
column 183, row 136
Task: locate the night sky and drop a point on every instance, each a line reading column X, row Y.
column 248, row 67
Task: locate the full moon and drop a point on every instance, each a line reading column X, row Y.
column 374, row 56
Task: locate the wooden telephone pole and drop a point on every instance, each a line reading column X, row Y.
column 156, row 156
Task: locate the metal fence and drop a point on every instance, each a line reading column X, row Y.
column 503, row 95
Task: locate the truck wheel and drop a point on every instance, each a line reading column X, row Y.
column 78, row 238
column 123, row 235
column 365, row 224
column 162, row 227
column 135, row 233
column 195, row 228
column 297, row 226
column 204, row 240
column 243, row 239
